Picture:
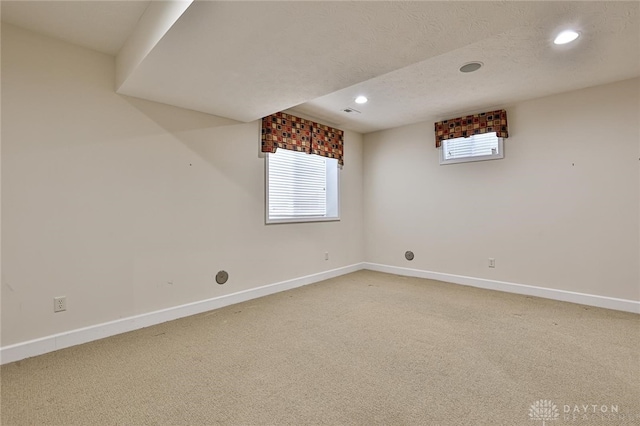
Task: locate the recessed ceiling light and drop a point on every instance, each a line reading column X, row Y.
column 361, row 99
column 566, row 37
column 471, row 67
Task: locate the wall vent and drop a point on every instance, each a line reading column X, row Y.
column 222, row 277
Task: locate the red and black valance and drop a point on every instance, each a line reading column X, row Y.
column 462, row 127
column 327, row 142
column 286, row 131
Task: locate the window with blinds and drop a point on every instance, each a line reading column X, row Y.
column 486, row 146
column 301, row 187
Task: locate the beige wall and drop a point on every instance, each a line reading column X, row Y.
column 560, row 211
column 127, row 206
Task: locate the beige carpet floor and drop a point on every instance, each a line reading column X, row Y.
column 363, row 349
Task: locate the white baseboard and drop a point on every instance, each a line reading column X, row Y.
column 546, row 293
column 87, row 334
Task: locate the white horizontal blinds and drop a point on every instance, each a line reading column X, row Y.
column 297, row 185
column 473, row 146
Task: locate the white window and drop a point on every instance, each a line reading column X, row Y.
column 301, row 187
column 486, row 146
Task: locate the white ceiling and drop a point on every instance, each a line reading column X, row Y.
column 244, row 60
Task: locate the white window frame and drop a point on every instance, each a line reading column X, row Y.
column 497, row 156
column 332, row 194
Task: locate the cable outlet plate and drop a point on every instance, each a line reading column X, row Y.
column 60, row 304
column 492, row 262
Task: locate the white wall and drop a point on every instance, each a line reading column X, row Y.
column 127, row 206
column 560, row 211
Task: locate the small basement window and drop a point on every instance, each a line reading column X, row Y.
column 486, row 146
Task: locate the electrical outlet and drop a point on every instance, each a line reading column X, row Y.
column 60, row 304
column 492, row 262
column 326, row 255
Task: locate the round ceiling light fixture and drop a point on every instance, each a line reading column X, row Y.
column 566, row 37
column 471, row 66
column 361, row 99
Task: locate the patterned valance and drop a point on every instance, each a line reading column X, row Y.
column 286, row 131
column 462, row 127
column 327, row 142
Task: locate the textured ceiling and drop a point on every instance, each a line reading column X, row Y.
column 244, row 60
column 521, row 63
column 254, row 58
